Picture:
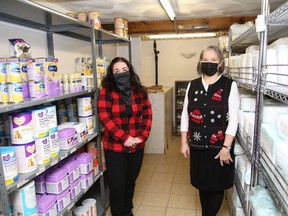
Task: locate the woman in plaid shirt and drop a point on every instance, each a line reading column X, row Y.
column 125, row 111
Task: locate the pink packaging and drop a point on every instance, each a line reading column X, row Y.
column 73, row 169
column 57, row 181
column 86, row 162
column 35, row 70
column 75, row 189
column 47, row 205
column 67, row 138
column 40, row 186
column 86, row 181
column 63, row 200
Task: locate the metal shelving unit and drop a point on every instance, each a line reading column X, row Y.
column 180, row 90
column 26, row 13
column 262, row 167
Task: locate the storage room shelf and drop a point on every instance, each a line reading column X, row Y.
column 275, row 182
column 29, row 102
column 24, row 178
column 245, row 141
column 277, row 24
column 33, row 15
column 73, row 202
column 240, row 191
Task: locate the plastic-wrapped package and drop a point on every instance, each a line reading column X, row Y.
column 19, row 48
column 237, row 29
column 262, row 203
column 223, row 43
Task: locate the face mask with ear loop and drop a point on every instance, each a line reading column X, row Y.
column 209, row 68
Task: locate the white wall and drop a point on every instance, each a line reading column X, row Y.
column 172, row 65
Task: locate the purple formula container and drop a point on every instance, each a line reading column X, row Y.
column 25, row 89
column 40, row 186
column 47, row 205
column 86, row 163
column 86, row 181
column 57, row 181
column 67, row 138
column 75, row 189
column 73, row 169
column 63, row 200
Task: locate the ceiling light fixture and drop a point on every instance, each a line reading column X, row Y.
column 188, row 35
column 168, row 9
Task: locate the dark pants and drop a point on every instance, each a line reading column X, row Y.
column 123, row 170
column 211, row 202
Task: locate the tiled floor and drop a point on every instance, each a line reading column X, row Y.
column 163, row 187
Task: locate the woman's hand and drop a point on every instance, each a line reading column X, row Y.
column 224, row 157
column 129, row 142
column 185, row 150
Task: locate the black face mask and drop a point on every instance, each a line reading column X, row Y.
column 122, row 81
column 209, row 68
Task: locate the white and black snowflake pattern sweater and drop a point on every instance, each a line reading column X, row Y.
column 208, row 113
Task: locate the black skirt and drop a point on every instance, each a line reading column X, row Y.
column 207, row 174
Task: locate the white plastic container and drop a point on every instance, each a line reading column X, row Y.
column 81, row 211
column 86, row 181
column 67, row 138
column 91, row 204
column 57, row 181
column 54, row 144
column 24, row 200
column 43, row 153
column 40, row 122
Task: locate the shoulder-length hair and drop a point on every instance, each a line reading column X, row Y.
column 219, row 54
column 108, row 81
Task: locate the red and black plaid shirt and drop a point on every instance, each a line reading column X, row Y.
column 118, row 126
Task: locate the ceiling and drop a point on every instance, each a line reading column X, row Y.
column 149, row 11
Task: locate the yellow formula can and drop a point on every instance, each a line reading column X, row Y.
column 2, row 70
column 15, row 93
column 3, row 93
column 13, row 73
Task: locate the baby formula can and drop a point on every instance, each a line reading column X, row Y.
column 24, row 200
column 4, row 93
column 9, row 164
column 21, row 127
column 119, row 22
column 35, row 70
column 23, row 62
column 94, row 19
column 15, row 93
column 40, row 122
column 25, row 89
column 88, row 120
column 51, row 117
column 36, row 89
column 2, row 70
column 43, row 150
column 26, row 157
column 13, row 73
column 54, row 144
column 84, row 106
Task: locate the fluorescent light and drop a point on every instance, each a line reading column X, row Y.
column 188, row 35
column 168, row 9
